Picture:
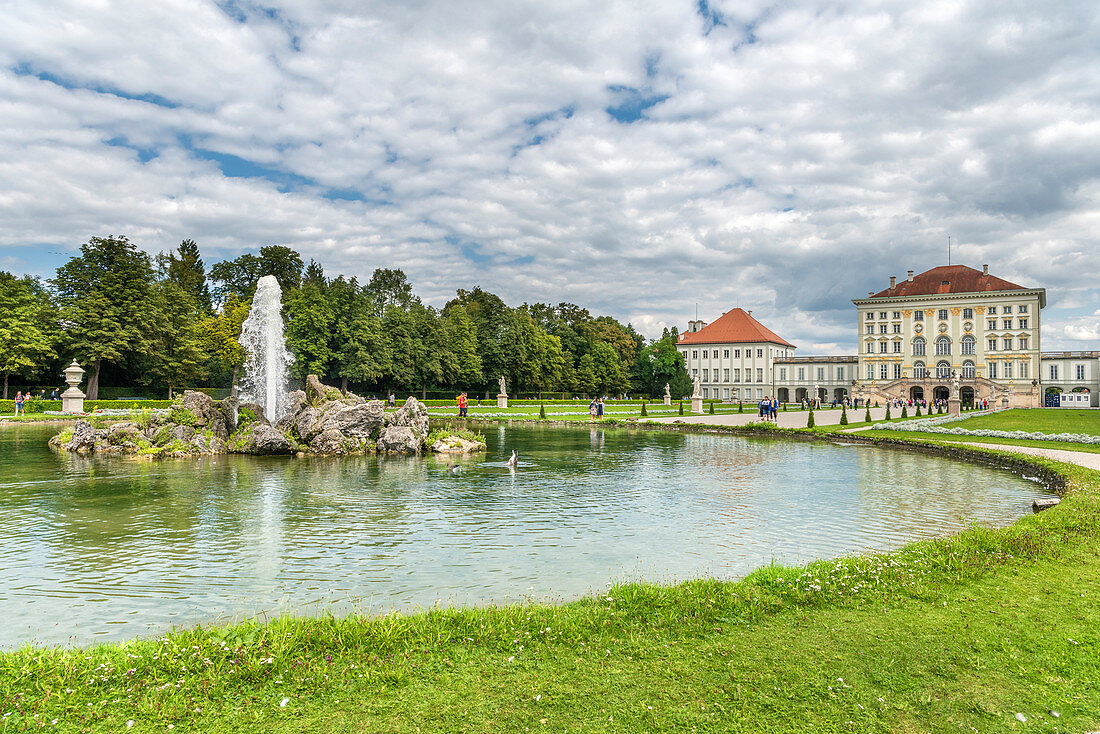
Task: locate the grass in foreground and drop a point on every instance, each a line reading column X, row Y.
column 1040, row 420
column 959, row 633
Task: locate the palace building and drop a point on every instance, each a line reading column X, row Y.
column 913, row 337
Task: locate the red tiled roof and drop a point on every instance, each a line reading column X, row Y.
column 948, row 279
column 733, row 327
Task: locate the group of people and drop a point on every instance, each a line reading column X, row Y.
column 768, row 409
column 463, row 404
column 595, row 409
column 21, row 399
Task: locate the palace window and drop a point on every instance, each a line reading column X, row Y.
column 1023, row 342
column 725, row 375
column 1024, row 370
column 870, row 372
column 943, row 370
column 820, row 373
column 943, row 346
column 918, row 315
column 897, row 314
column 1054, row 372
column 1021, row 309
column 737, row 353
column 706, row 392
column 991, row 325
column 840, row 373
column 715, row 355
column 882, row 315
column 992, row 368
column 968, row 344
column 870, row 316
column 726, row 353
column 1080, row 371
column 1023, row 323
column 992, row 310
column 1007, row 324
column 1007, row 309
column 919, row 370
column 801, row 374
column 882, row 328
column 882, row 347
column 968, row 313
column 870, row 328
column 918, row 346
column 759, row 374
column 897, row 328
column 1008, row 344
column 897, row 347
column 897, row 370
column 968, row 371
column 882, row 371
column 706, row 375
column 759, row 352
column 1008, row 370
column 695, row 354
column 737, row 375
column 991, row 345
column 943, row 314
column 782, row 374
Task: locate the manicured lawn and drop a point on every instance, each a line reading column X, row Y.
column 948, row 438
column 1041, row 420
column 962, row 633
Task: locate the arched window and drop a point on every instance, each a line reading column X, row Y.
column 918, row 346
column 968, row 368
column 943, row 346
column 967, row 343
column 919, row 370
column 943, row 370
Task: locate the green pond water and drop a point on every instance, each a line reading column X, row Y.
column 99, row 549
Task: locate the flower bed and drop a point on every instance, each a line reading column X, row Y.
column 935, row 425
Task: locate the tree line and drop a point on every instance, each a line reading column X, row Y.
column 168, row 322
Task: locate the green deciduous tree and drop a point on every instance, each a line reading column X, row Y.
column 27, row 331
column 178, row 355
column 106, row 301
column 309, row 325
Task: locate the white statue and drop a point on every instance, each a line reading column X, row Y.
column 503, row 390
column 954, row 384
column 696, row 392
column 668, row 391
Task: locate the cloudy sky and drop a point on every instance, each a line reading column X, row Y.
column 637, row 158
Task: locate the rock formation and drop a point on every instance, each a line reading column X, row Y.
column 322, row 420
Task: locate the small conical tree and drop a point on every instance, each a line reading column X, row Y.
column 810, row 419
column 681, row 407
column 888, row 411
column 917, row 414
column 784, row 407
column 644, row 413
column 843, row 415
column 712, row 408
column 740, row 407
column 867, row 416
column 904, row 412
column 542, row 411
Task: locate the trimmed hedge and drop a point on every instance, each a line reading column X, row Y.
column 7, row 407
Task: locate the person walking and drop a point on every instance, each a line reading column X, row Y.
column 19, row 403
column 599, row 408
column 775, row 409
column 592, row 410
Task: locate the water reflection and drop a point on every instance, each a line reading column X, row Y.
column 110, row 548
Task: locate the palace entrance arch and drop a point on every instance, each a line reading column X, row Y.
column 916, row 393
column 940, row 393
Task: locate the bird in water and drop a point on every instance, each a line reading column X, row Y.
column 514, row 461
column 454, row 468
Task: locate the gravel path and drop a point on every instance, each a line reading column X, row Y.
column 787, row 419
column 1080, row 458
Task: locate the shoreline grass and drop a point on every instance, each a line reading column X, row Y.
column 966, row 630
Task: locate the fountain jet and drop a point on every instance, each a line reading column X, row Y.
column 267, row 358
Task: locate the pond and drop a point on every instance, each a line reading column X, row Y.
column 100, row 549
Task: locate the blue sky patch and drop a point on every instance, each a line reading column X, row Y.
column 26, row 70
column 631, row 103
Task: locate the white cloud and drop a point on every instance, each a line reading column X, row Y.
column 788, row 160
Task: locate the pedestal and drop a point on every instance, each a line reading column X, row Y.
column 953, row 406
column 1004, row 402
column 668, row 400
column 502, row 401
column 696, row 404
column 72, row 402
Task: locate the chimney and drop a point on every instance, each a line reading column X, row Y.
column 985, row 270
column 910, row 276
column 893, row 281
column 870, row 293
column 750, row 312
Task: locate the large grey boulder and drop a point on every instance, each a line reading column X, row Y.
column 263, row 439
column 201, row 444
column 412, row 414
column 257, row 410
column 201, row 405
column 361, row 421
column 330, row 442
column 227, row 412
column 399, row 439
column 83, row 439
column 123, row 434
column 307, row 423
column 182, row 433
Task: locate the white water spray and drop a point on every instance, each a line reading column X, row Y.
column 267, row 358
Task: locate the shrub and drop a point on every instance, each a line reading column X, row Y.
column 542, row 411
column 681, row 407
column 712, row 408
column 810, row 419
column 644, row 413
column 917, row 414
column 904, row 412
column 843, row 415
column 867, row 416
column 740, row 407
column 888, row 411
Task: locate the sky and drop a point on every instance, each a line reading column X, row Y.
column 641, row 159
